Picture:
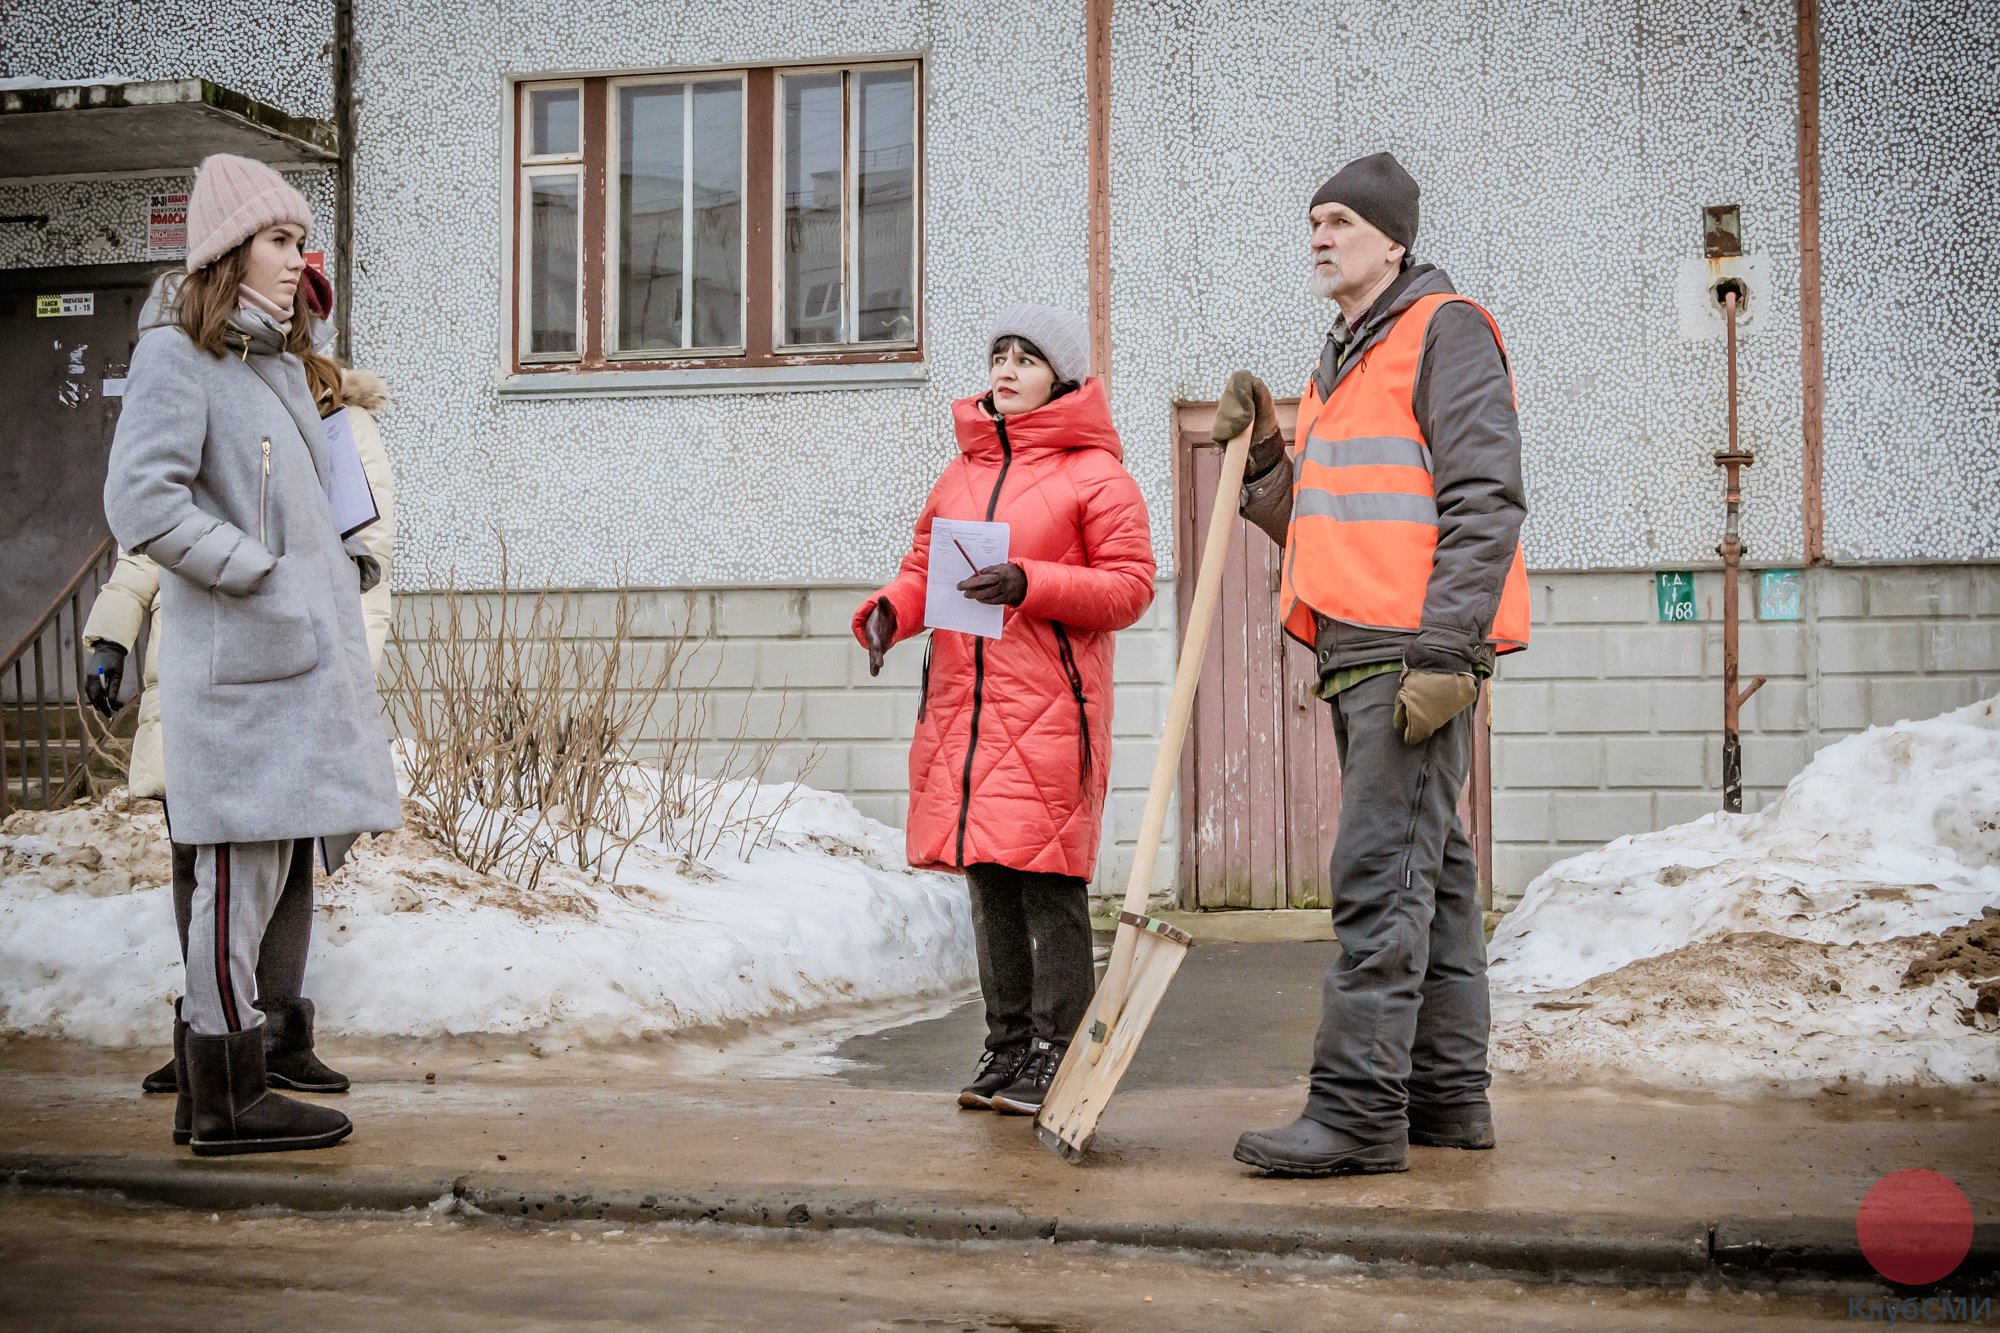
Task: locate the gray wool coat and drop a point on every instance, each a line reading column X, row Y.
column 273, row 727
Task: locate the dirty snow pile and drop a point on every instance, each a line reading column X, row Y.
column 1847, row 934
column 408, row 942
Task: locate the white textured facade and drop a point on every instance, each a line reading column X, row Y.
column 1565, row 149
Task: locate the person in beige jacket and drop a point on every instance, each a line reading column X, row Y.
column 124, row 605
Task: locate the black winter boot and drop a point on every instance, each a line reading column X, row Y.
column 235, row 1113
column 289, row 1061
column 1307, row 1148
column 1452, row 1126
column 996, row 1070
column 183, row 1104
column 164, row 1079
column 161, row 1079
column 1024, row 1095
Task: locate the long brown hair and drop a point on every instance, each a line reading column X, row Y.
column 205, row 300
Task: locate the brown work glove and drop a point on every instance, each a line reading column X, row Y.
column 1429, row 699
column 1247, row 399
column 998, row 585
column 880, row 627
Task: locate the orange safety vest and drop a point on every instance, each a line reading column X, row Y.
column 1364, row 525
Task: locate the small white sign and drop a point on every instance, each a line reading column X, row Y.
column 960, row 549
column 167, row 227
column 114, row 388
column 67, row 303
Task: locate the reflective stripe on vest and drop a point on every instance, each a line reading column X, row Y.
column 1364, row 529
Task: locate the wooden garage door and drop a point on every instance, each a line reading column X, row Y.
column 1260, row 777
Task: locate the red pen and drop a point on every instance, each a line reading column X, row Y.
column 961, row 550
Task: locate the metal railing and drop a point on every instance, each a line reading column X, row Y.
column 45, row 738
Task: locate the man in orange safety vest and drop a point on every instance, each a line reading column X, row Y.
column 1399, row 508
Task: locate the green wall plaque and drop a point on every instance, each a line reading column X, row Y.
column 1778, row 594
column 1675, row 592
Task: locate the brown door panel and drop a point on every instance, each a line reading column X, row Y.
column 1260, row 783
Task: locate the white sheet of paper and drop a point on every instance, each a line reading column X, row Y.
column 349, row 494
column 959, row 550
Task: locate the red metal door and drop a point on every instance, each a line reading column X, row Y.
column 1260, row 776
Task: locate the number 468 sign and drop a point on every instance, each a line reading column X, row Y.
column 1675, row 592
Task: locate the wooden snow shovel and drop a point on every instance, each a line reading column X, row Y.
column 1146, row 952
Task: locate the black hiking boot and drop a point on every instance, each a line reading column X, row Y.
column 234, row 1112
column 1024, row 1095
column 1452, row 1126
column 1307, row 1148
column 289, row 1061
column 996, row 1070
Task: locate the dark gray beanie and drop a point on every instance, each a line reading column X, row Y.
column 1379, row 190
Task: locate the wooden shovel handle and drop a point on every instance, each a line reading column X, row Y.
column 1167, row 763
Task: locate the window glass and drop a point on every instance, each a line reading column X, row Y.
column 652, row 184
column 885, row 195
column 552, row 253
column 811, row 200
column 717, row 208
column 555, row 120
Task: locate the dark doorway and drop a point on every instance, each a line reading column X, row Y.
column 66, row 338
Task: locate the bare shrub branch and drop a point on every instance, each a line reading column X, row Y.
column 520, row 722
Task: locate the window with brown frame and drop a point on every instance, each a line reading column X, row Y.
column 718, row 218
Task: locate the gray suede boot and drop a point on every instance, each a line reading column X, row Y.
column 234, row 1112
column 183, row 1104
column 289, row 1061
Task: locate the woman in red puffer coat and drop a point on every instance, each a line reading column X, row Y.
column 1013, row 740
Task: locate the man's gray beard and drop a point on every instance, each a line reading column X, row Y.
column 1323, row 284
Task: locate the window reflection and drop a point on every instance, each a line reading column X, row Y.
column 552, row 290
column 812, row 203
column 885, row 118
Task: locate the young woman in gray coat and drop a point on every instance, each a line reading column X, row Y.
column 219, row 472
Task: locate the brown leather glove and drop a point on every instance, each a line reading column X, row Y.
column 1245, row 400
column 1429, row 699
column 880, row 627
column 998, row 585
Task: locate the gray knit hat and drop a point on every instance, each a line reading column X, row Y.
column 1063, row 338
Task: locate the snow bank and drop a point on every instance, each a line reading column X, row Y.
column 410, row 943
column 26, row 84
column 1771, row 949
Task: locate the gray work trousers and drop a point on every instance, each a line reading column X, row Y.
column 1405, row 1014
column 237, row 886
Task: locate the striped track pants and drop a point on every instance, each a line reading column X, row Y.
column 236, row 888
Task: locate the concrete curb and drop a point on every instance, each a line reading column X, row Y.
column 1629, row 1250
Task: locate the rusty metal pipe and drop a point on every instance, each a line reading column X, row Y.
column 1732, row 460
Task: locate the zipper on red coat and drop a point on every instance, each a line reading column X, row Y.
column 1075, row 678
column 979, row 655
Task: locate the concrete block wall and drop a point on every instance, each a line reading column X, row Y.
column 781, row 662
column 1611, row 723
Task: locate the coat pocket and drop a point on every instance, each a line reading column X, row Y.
column 267, row 635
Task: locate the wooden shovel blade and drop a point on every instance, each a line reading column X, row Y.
column 1083, row 1087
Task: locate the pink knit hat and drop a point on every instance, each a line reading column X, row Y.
column 233, row 199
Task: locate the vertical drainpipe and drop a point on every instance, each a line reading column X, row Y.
column 1097, row 156
column 343, row 205
column 1812, row 359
